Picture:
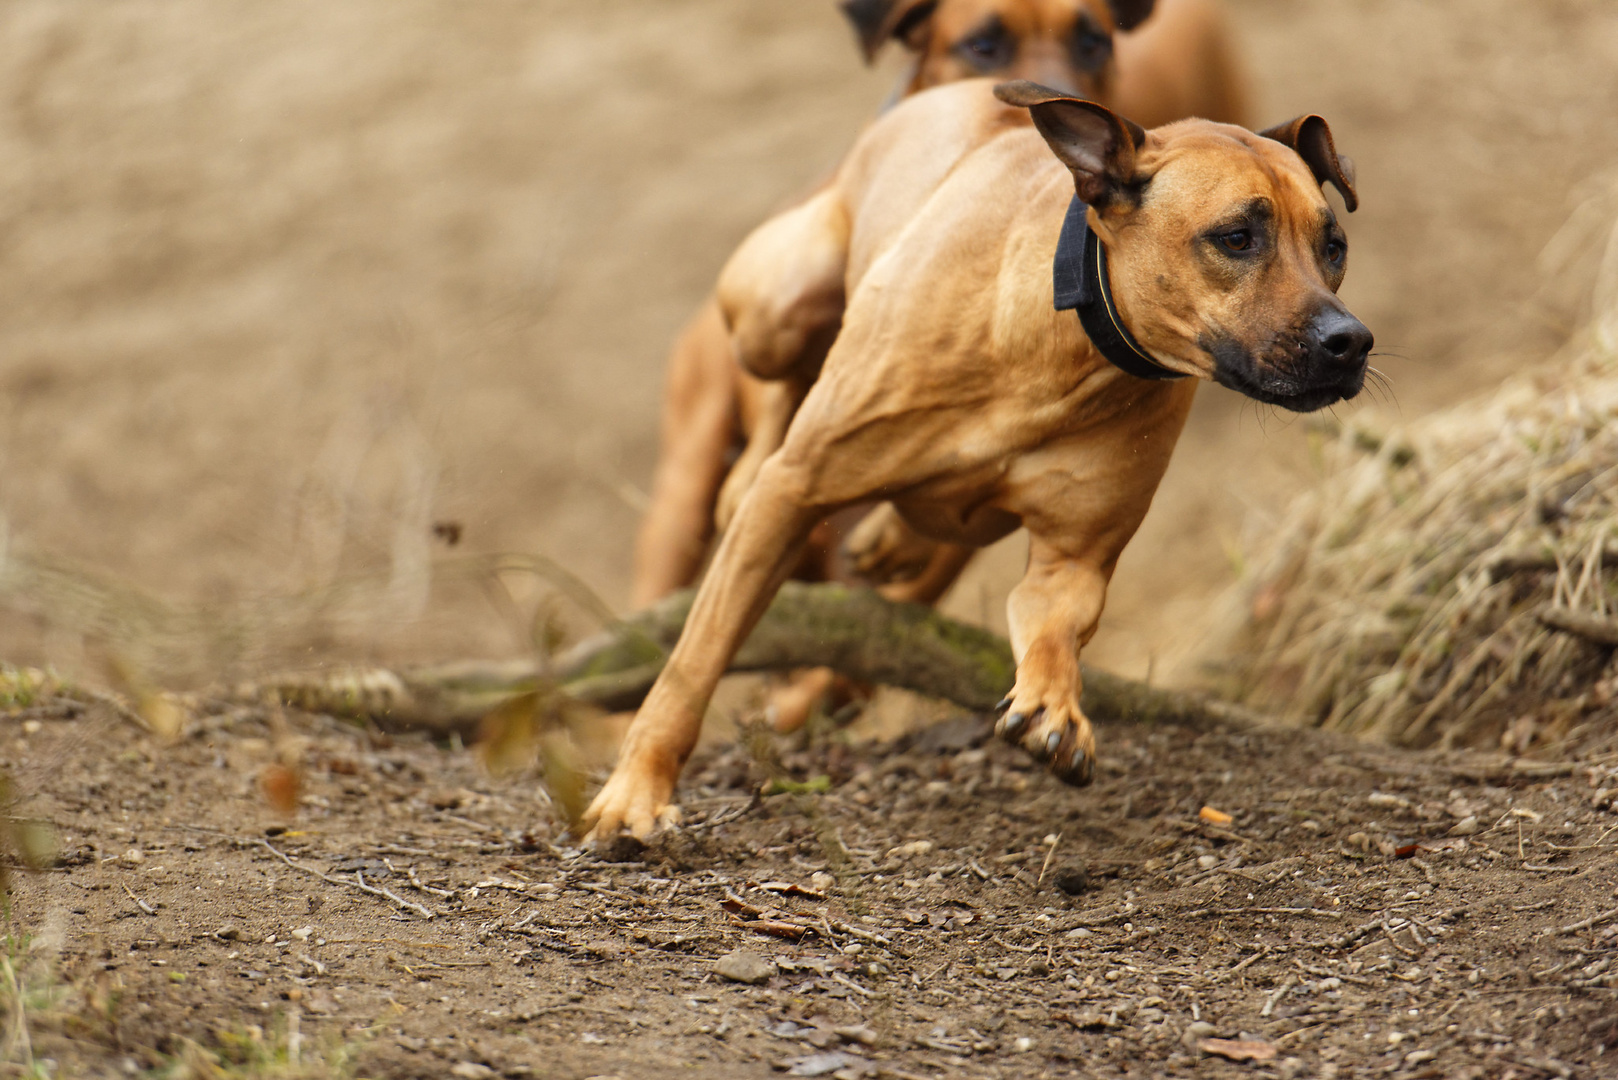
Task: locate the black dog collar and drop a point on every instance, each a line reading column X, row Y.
column 1082, row 285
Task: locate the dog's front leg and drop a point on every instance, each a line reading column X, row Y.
column 1053, row 612
column 753, row 559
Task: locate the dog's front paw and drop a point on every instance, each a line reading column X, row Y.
column 637, row 799
column 1052, row 729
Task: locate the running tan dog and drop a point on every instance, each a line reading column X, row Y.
column 956, row 389
column 1172, row 60
column 1176, row 63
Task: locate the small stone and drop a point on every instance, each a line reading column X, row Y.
column 859, row 1033
column 303, row 933
column 1467, row 826
column 133, row 857
column 1079, row 933
column 31, row 727
column 822, row 881
column 744, row 966
column 1072, row 879
column 821, row 1064
column 1023, row 1045
column 1291, row 1068
column 471, row 1070
column 1208, row 862
column 1196, row 1031
column 1039, row 969
column 1420, row 1057
column 227, row 933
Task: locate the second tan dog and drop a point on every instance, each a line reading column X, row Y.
column 958, row 391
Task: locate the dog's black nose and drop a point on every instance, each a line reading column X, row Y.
column 1342, row 337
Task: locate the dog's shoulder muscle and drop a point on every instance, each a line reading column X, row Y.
column 902, row 160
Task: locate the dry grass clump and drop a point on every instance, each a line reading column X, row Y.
column 1457, row 580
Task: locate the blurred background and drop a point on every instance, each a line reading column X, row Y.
column 292, row 296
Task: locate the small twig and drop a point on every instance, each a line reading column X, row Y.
column 1552, row 869
column 359, row 879
column 724, row 819
column 112, row 702
column 1049, row 855
column 1255, row 958
column 1295, row 1032
column 1387, row 932
column 143, row 905
column 1582, row 924
column 851, row 984
column 359, row 884
column 1220, row 912
column 444, row 893
column 1280, row 992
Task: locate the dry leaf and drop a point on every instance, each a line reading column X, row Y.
column 281, row 787
column 787, row 888
column 1238, row 1049
column 508, row 737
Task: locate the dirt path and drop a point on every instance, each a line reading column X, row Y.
column 926, row 884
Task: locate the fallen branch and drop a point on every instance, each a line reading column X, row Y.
column 853, row 631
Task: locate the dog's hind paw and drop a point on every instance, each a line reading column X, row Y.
column 630, row 801
column 1057, row 734
column 884, row 549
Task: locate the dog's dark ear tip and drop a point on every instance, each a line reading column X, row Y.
column 1026, row 94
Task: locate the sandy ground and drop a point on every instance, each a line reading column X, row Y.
column 285, row 287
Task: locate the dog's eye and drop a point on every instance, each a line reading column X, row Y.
column 987, row 49
column 1090, row 46
column 1237, row 240
column 1335, row 250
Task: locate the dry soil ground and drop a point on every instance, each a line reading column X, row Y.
column 943, row 910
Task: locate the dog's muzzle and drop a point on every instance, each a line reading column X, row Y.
column 1319, row 364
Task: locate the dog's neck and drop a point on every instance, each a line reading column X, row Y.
column 1082, row 285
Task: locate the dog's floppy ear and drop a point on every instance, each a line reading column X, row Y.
column 875, row 21
column 1096, row 144
column 1128, row 14
column 1311, row 138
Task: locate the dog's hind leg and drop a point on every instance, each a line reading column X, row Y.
column 753, row 559
column 782, row 292
column 699, row 428
column 782, row 296
column 776, row 402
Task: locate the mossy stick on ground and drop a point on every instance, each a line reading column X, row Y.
column 853, row 631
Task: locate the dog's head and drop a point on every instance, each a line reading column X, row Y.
column 1061, row 43
column 1225, row 255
